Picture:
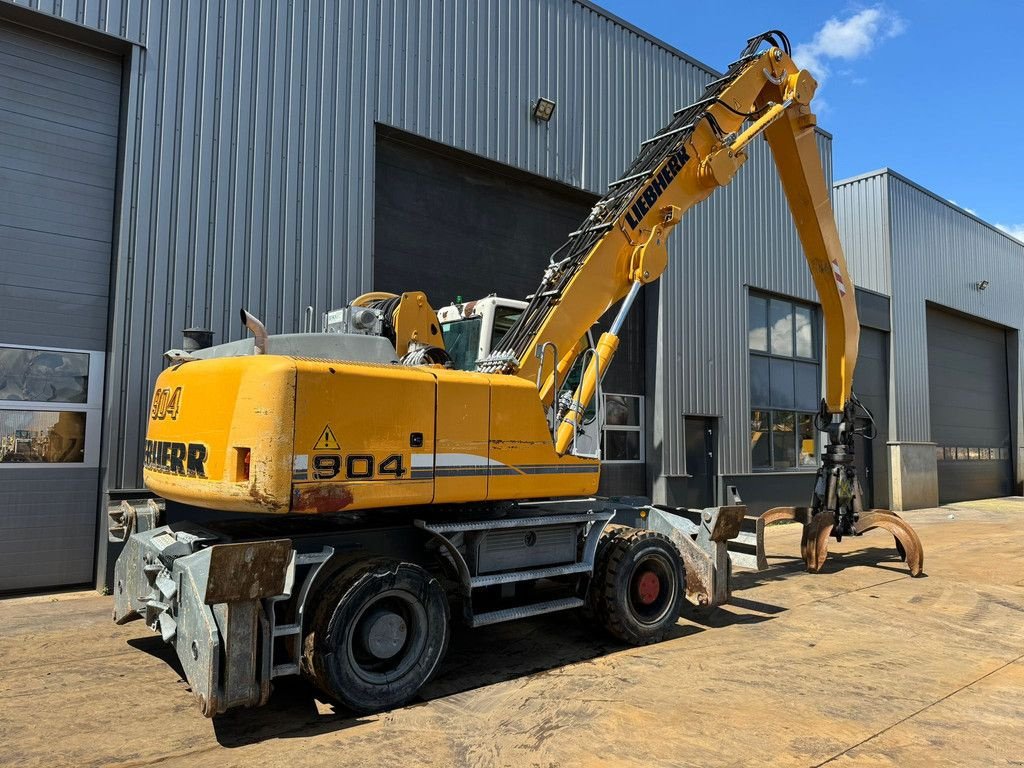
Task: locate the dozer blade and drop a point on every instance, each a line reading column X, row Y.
column 818, row 528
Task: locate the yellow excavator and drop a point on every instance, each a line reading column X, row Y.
column 389, row 489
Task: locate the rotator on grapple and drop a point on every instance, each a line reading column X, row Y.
column 836, row 505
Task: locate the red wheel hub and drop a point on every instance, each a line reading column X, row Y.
column 648, row 587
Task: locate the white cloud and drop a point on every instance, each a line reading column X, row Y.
column 1013, row 230
column 847, row 39
column 969, row 210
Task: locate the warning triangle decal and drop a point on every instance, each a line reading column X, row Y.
column 327, row 441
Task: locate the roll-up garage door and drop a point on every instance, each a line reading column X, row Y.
column 970, row 406
column 59, row 112
column 451, row 224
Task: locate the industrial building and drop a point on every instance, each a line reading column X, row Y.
column 165, row 166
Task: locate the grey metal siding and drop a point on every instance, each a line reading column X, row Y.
column 59, row 111
column 871, row 384
column 926, row 232
column 742, row 237
column 59, row 106
column 931, row 252
column 447, row 226
column 970, row 408
column 862, row 215
column 47, row 526
column 249, row 171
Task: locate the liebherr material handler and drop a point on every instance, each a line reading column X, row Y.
column 389, row 493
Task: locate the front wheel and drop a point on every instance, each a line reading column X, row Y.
column 379, row 634
column 638, row 588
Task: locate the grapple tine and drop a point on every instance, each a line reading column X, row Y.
column 779, row 515
column 906, row 537
column 815, row 541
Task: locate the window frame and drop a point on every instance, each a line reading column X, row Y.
column 639, row 428
column 768, row 355
column 92, row 408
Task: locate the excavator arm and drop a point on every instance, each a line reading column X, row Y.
column 623, row 245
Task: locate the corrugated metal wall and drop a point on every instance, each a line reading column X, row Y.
column 249, row 165
column 936, row 252
column 927, row 230
column 861, row 206
column 742, row 236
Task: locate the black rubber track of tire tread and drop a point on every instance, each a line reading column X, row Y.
column 346, row 578
column 592, row 605
column 608, row 610
column 340, row 582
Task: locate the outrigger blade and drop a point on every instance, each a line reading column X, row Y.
column 818, row 528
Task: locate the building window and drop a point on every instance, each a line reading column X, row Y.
column 623, row 428
column 50, row 406
column 785, row 383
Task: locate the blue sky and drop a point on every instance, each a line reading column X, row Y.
column 932, row 90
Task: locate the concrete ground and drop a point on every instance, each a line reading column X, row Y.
column 857, row 666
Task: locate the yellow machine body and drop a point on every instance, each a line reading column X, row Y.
column 274, row 434
column 283, row 434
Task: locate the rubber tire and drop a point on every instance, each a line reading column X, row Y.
column 326, row 648
column 611, row 590
column 591, row 610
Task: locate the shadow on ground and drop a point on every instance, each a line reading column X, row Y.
column 880, row 558
column 495, row 654
column 476, row 658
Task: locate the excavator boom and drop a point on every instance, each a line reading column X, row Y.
column 392, row 491
column 623, row 245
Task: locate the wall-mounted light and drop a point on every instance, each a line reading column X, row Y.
column 543, row 109
column 981, row 285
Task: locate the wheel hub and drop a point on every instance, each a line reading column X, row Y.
column 648, row 587
column 384, row 633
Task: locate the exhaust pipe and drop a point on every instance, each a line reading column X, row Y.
column 258, row 330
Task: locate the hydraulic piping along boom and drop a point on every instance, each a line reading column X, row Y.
column 623, row 245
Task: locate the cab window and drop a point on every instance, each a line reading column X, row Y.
column 504, row 319
column 462, row 342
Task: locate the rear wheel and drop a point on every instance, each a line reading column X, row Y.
column 638, row 591
column 378, row 634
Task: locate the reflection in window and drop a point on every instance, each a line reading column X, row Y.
column 504, row 319
column 785, row 383
column 622, row 410
column 622, row 446
column 803, row 331
column 780, row 317
column 808, row 441
column 623, row 430
column 968, row 453
column 43, row 376
column 783, row 440
column 760, row 451
column 757, row 324
column 462, row 342
column 42, row 437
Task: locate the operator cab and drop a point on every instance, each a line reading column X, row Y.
column 472, row 329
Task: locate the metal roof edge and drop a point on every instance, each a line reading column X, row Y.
column 861, row 177
column 592, row 6
column 935, row 196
